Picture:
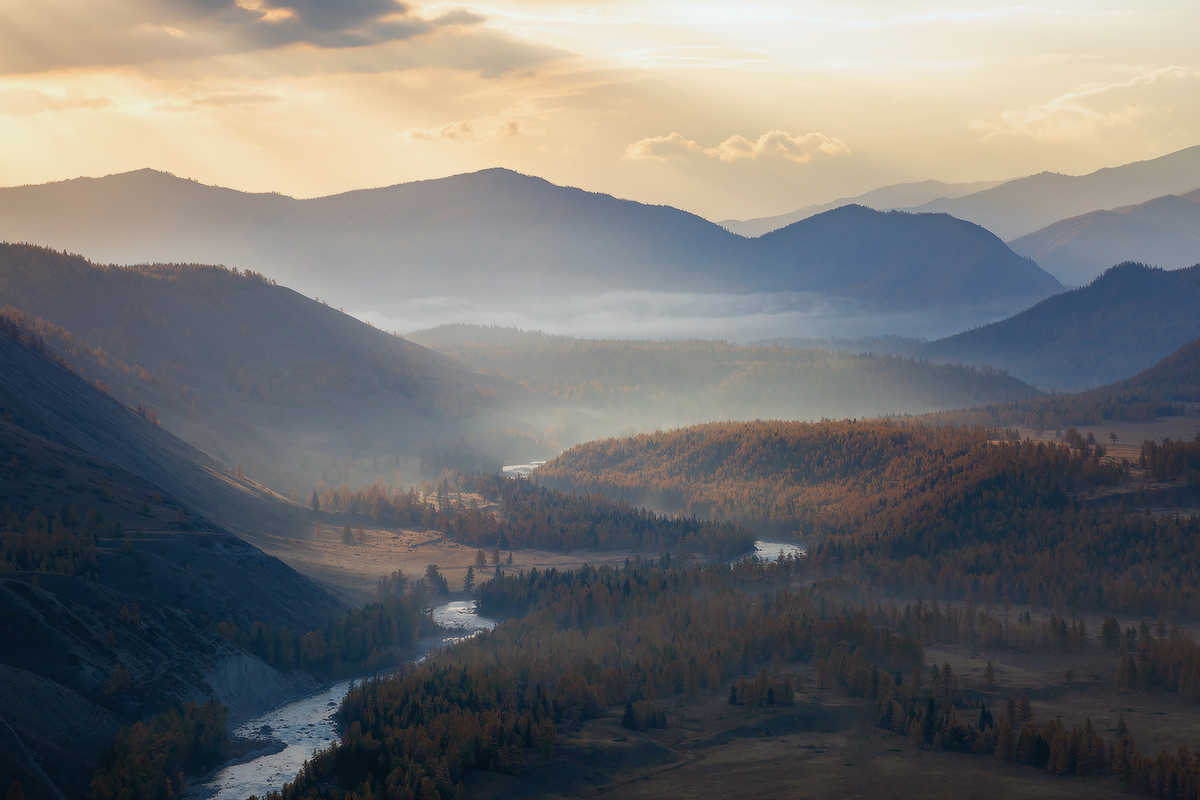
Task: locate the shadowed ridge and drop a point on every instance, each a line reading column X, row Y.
column 1124, row 321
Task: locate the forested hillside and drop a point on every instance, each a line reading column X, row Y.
column 1123, row 322
column 592, row 639
column 116, row 558
column 253, row 373
column 1169, row 388
column 521, row 514
column 648, row 384
column 949, row 510
column 1164, row 232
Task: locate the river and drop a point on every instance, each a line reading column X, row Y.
column 303, row 726
column 767, row 548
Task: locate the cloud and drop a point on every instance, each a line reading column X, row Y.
column 24, row 101
column 798, row 149
column 1086, row 111
column 220, row 96
column 661, row 148
column 41, row 35
column 478, row 131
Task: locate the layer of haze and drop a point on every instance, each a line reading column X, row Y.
column 727, row 110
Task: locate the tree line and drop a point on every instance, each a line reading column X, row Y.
column 955, row 512
column 593, row 639
column 528, row 515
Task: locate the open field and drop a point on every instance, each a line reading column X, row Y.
column 1130, row 435
column 826, row 746
column 356, row 568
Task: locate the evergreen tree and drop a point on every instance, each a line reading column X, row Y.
column 629, row 718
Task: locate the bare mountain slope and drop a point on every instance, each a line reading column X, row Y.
column 1164, row 232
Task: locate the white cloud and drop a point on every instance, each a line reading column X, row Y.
column 1088, row 110
column 477, row 131
column 661, row 148
column 800, row 149
column 220, row 96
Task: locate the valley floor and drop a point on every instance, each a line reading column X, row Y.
column 355, row 568
column 826, row 746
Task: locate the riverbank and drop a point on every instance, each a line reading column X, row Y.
column 290, row 732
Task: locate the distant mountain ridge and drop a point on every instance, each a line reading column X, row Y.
column 885, row 198
column 497, row 235
column 1022, row 206
column 913, row 260
column 1123, row 322
column 1164, row 232
column 644, row 385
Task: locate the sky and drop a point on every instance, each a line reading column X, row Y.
column 728, row 110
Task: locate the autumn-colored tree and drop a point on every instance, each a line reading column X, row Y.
column 118, row 681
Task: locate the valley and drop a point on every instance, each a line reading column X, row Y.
column 253, row 544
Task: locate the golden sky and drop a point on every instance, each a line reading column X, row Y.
column 724, row 109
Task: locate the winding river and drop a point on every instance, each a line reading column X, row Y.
column 301, row 727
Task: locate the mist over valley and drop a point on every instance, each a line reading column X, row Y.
column 525, row 400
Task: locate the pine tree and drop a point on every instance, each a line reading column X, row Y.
column 1025, row 709
column 1006, row 744
column 629, row 719
column 989, row 676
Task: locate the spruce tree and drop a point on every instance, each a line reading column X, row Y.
column 629, row 719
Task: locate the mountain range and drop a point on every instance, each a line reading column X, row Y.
column 1058, row 220
column 1024, row 205
column 497, row 235
column 885, row 198
column 1164, row 232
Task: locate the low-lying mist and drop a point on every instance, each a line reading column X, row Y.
column 685, row 315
